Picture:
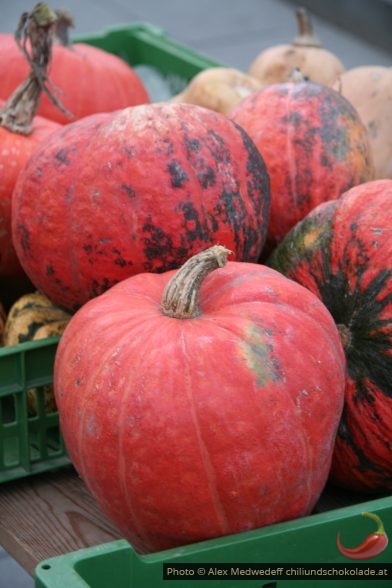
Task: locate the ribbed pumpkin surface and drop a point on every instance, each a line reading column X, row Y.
column 187, row 429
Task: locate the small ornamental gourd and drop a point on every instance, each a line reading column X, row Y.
column 20, row 133
column 31, row 318
column 2, row 323
column 137, row 190
column 274, row 64
column 202, row 402
column 313, row 142
column 85, row 78
column 342, row 252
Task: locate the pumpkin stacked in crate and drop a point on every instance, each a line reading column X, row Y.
column 314, row 144
column 31, row 318
column 342, row 252
column 137, row 190
column 201, row 402
column 85, row 78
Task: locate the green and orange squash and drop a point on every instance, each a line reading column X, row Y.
column 342, row 251
column 31, row 318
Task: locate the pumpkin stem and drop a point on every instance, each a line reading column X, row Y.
column 296, row 76
column 37, row 28
column 306, row 37
column 181, row 295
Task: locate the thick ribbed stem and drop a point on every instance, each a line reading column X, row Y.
column 306, row 37
column 181, row 296
column 37, row 28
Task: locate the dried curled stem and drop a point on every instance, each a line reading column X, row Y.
column 34, row 37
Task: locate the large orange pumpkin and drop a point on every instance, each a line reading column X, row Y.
column 197, row 404
column 141, row 189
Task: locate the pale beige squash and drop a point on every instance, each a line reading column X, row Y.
column 218, row 88
column 369, row 89
column 274, row 64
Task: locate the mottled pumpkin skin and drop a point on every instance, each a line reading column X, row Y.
column 86, row 80
column 139, row 190
column 15, row 150
column 342, row 252
column 187, row 429
column 313, row 143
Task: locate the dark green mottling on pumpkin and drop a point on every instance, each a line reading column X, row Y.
column 257, row 352
column 305, row 239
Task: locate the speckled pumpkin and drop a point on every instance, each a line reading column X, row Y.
column 314, row 145
column 138, row 190
column 202, row 402
column 342, row 252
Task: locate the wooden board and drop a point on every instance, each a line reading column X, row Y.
column 52, row 514
column 49, row 515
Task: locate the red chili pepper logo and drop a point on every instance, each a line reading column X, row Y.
column 374, row 544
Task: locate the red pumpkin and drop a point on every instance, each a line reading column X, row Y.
column 20, row 132
column 313, row 143
column 342, row 252
column 15, row 150
column 138, row 190
column 196, row 405
column 86, row 79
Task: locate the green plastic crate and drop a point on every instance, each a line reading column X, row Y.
column 309, row 540
column 144, row 44
column 33, row 444
column 29, row 444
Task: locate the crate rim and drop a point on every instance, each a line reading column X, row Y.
column 201, row 547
